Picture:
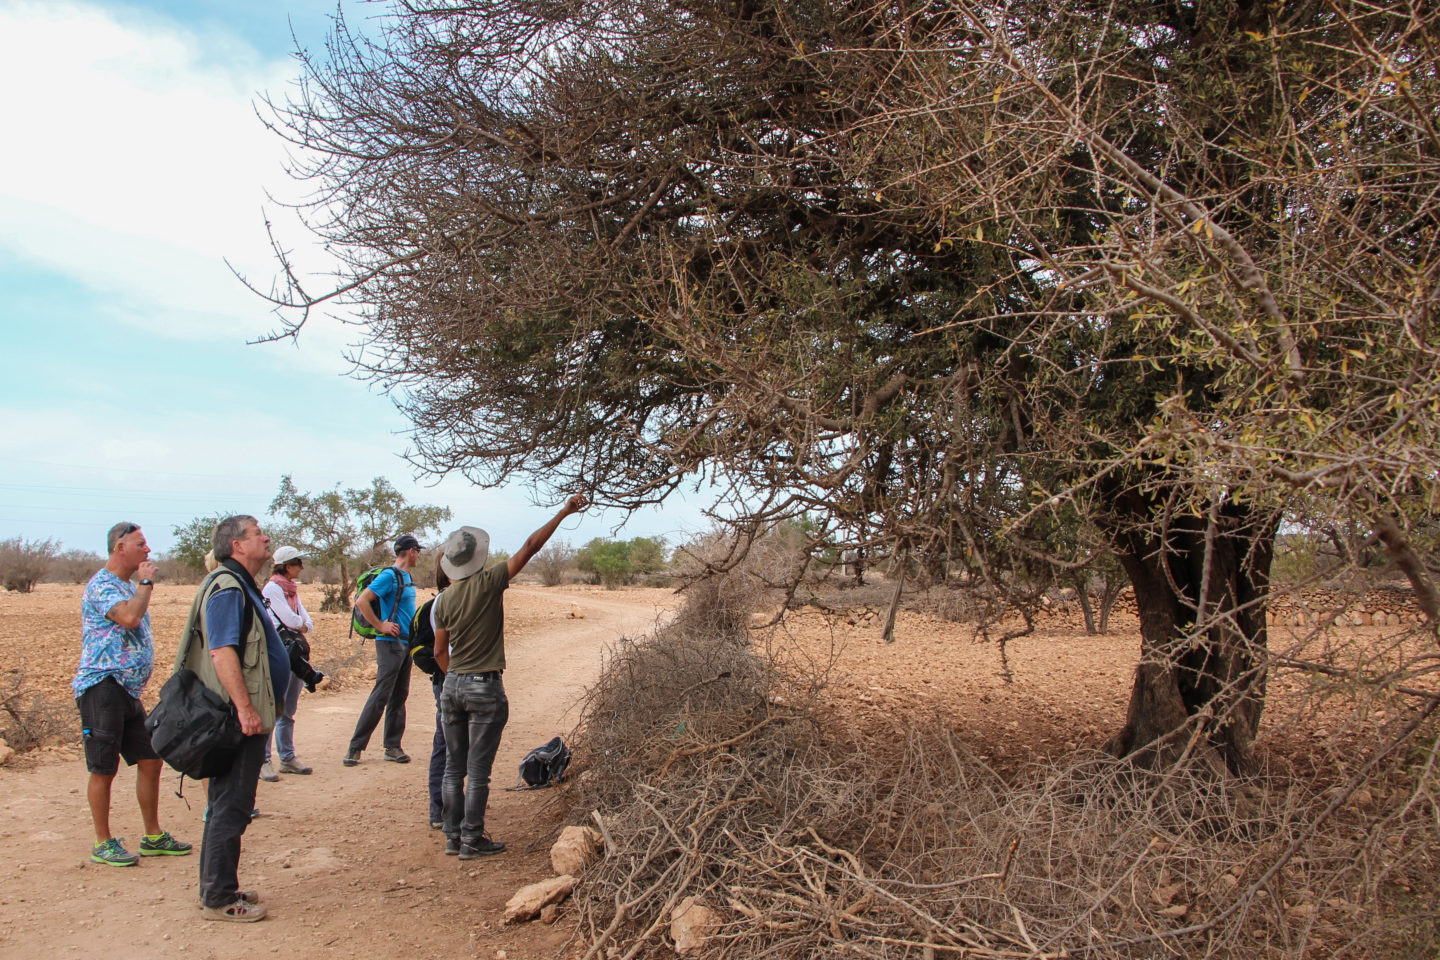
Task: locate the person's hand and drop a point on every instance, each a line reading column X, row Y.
column 249, row 719
column 390, row 628
column 577, row 503
column 147, row 570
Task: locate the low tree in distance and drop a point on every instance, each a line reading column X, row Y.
column 607, row 561
column 552, row 563
column 24, row 562
column 646, row 555
column 75, row 566
column 193, row 540
column 339, row 527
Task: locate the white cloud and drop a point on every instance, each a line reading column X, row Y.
column 137, row 165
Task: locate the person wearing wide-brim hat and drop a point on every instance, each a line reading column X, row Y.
column 470, row 648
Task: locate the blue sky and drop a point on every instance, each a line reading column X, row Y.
column 134, row 168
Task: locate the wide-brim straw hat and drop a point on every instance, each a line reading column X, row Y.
column 465, row 552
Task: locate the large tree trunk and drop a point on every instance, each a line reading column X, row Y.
column 1200, row 685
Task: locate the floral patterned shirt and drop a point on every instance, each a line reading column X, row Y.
column 106, row 648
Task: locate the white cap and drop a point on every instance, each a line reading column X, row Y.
column 286, row 555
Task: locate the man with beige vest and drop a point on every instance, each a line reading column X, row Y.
column 243, row 659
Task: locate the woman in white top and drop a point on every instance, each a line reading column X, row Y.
column 287, row 611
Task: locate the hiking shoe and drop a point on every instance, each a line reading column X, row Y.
column 113, row 852
column 483, row 847
column 163, row 845
column 352, row 757
column 396, row 755
column 437, row 824
column 241, row 911
column 452, row 846
column 267, row 772
column 294, row 765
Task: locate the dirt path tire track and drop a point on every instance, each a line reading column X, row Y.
column 344, row 858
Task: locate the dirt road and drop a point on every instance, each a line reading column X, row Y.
column 344, row 858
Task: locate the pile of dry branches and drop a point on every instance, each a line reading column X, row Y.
column 715, row 777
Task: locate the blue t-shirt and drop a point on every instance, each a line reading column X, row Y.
column 222, row 618
column 384, row 586
column 106, row 648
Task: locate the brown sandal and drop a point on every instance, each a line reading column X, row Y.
column 241, row 911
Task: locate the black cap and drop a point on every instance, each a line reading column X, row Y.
column 406, row 542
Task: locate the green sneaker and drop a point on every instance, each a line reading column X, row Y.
column 163, row 846
column 113, row 852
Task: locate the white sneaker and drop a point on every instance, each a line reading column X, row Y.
column 267, row 772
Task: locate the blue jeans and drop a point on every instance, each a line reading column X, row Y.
column 392, row 686
column 474, row 712
column 285, row 723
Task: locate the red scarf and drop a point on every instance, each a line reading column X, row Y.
column 292, row 595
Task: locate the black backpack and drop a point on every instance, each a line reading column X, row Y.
column 545, row 765
column 421, row 642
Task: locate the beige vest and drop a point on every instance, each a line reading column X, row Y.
column 255, row 666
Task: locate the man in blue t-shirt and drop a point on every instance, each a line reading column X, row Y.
column 389, row 606
column 116, row 656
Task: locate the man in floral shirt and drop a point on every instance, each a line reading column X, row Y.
column 116, row 656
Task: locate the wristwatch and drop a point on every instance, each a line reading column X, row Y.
column 146, row 582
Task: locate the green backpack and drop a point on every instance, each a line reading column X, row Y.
column 358, row 623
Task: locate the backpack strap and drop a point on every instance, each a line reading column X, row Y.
column 207, row 589
column 399, row 589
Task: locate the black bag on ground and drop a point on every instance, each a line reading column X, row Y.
column 193, row 728
column 545, row 765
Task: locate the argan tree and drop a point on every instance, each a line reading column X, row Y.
column 339, row 526
column 945, row 276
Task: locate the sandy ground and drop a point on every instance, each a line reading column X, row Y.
column 344, row 858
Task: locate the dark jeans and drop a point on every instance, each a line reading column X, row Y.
column 437, row 757
column 392, row 687
column 474, row 712
column 232, row 797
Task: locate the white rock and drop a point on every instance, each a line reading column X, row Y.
column 577, row 848
column 529, row 901
column 691, row 924
column 6, row 753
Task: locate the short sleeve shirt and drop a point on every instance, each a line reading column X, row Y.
column 384, row 587
column 106, row 648
column 473, row 616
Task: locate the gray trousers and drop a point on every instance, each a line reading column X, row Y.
column 392, row 687
column 474, row 713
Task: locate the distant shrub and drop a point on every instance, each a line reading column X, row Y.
column 174, row 570
column 24, row 562
column 74, row 566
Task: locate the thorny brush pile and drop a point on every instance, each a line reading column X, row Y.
column 714, row 774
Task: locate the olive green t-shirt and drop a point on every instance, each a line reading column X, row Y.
column 472, row 611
